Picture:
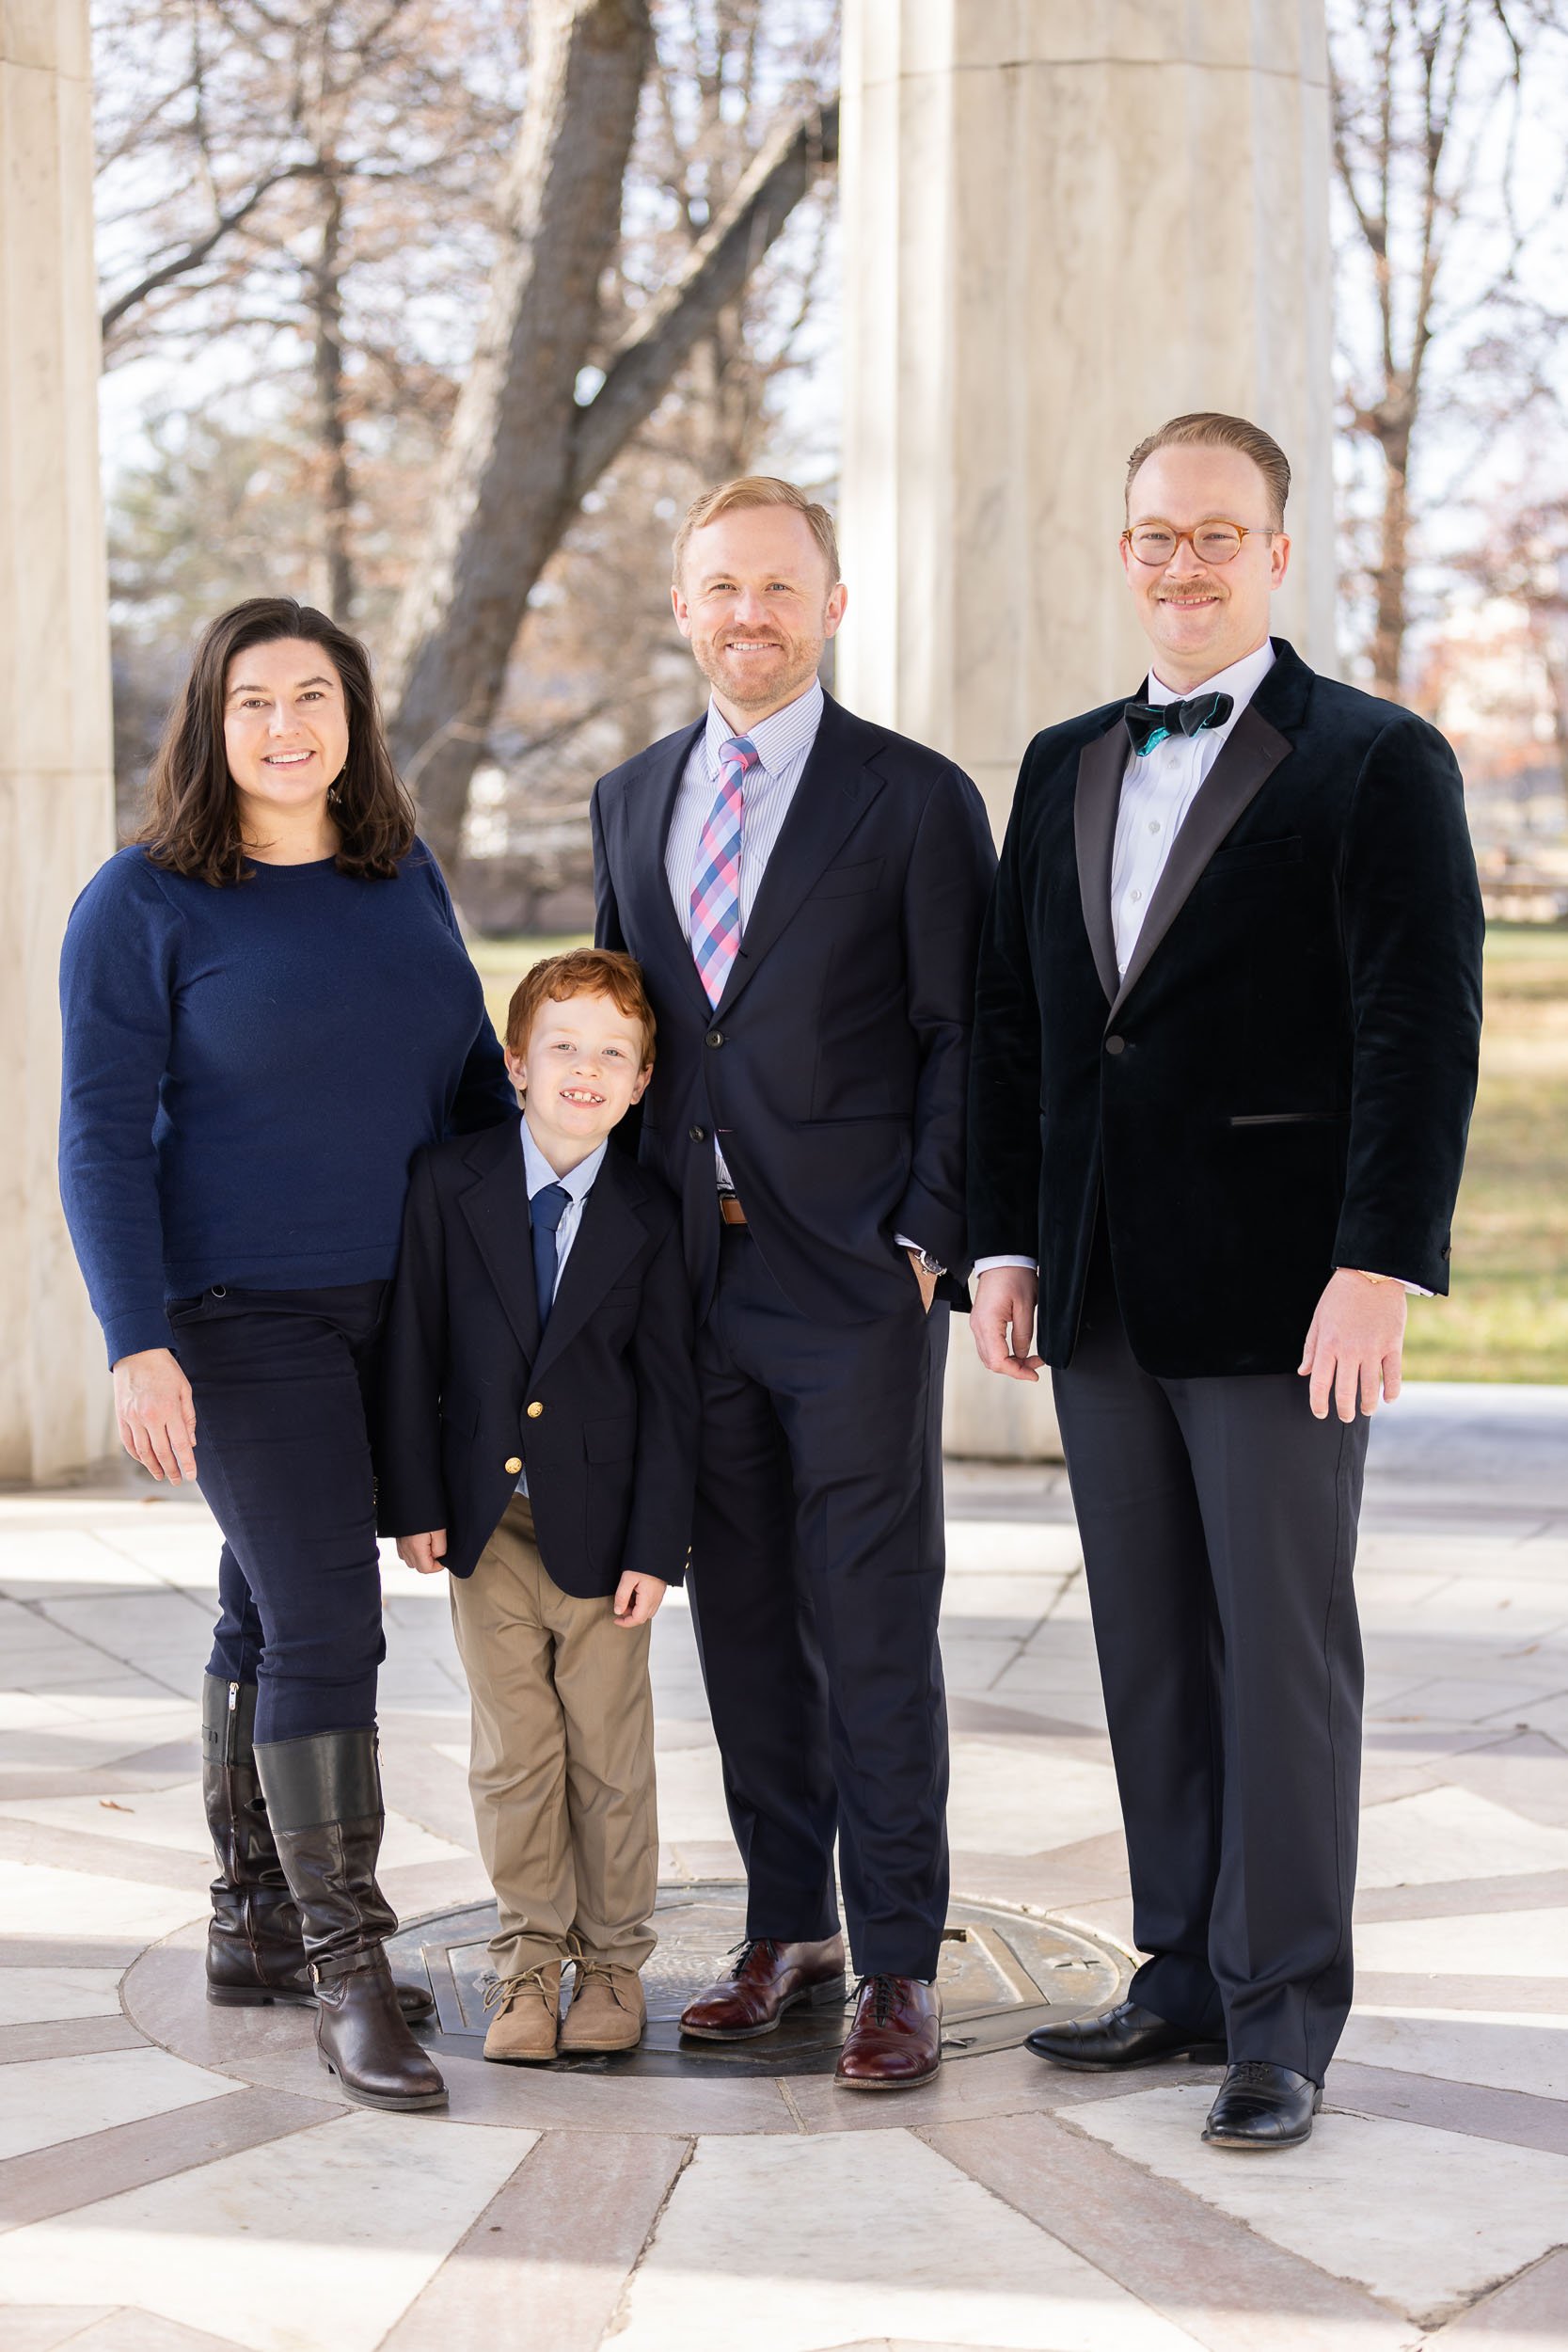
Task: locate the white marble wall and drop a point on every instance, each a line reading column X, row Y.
column 1064, row 221
column 55, row 790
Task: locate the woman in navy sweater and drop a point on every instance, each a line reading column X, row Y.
column 267, row 1011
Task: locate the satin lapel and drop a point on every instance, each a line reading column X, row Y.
column 654, row 930
column 495, row 1207
column 1101, row 765
column 836, row 788
column 609, row 1237
column 1251, row 752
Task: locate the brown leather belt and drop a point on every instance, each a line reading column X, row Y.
column 731, row 1210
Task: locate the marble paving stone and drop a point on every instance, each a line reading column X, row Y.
column 960, row 2266
column 1495, row 2047
column 174, row 1819
column 100, row 2164
column 1006, row 1800
column 145, row 2331
column 1230, row 2289
column 90, row 1855
column 1012, row 1548
column 44, row 2327
column 1538, row 1889
column 67, row 1904
column 1507, row 1943
column 63, row 1561
column 1411, row 2215
column 997, row 1602
column 1522, row 1770
column 66, row 2037
column 47, row 2099
column 1453, row 1834
column 32, row 1996
column 1529, row 2314
column 322, row 2254
column 1519, row 2118
column 691, row 1797
column 556, row 2244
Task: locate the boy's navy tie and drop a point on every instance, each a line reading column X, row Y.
column 545, row 1209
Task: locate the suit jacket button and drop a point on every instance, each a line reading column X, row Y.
column 698, row 1134
column 513, row 1464
column 534, row 1409
column 715, row 1037
column 1115, row 1045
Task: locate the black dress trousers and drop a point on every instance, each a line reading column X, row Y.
column 282, row 1382
column 816, row 1582
column 1218, row 1520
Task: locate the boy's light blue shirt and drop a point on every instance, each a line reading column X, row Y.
column 537, row 1173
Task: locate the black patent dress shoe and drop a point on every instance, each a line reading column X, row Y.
column 1124, row 2036
column 1261, row 2105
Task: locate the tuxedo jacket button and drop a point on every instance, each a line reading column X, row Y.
column 698, row 1134
column 534, row 1409
column 1115, row 1045
column 513, row 1464
column 715, row 1037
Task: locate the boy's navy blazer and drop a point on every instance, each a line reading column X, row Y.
column 601, row 1407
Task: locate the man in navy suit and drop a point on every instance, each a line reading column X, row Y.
column 805, row 894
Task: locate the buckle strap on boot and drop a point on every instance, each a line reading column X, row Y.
column 368, row 1960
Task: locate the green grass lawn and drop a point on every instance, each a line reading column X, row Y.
column 1507, row 1316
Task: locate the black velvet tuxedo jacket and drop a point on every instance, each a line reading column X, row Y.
column 601, row 1408
column 1282, row 1082
column 835, row 1067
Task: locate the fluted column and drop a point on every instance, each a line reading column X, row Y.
column 55, row 763
column 1064, row 221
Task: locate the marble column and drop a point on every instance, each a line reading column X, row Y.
column 56, row 766
column 1064, row 221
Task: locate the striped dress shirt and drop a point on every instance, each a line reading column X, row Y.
column 782, row 745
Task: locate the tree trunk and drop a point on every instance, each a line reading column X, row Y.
column 497, row 503
column 1390, row 577
column 522, row 453
column 326, row 296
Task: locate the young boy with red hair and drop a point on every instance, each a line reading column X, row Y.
column 538, row 1441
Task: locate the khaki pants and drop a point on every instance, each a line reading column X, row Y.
column 561, row 1759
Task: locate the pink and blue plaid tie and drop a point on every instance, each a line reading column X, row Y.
column 716, row 885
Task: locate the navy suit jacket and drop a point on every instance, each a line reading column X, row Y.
column 835, row 1067
column 601, row 1407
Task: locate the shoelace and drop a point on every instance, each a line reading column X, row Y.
column 881, row 1996
column 741, row 1953
column 587, row 1968
column 502, row 1989
column 1251, row 2074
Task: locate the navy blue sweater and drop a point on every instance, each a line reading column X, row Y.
column 249, row 1072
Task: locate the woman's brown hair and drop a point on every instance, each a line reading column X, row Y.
column 190, row 822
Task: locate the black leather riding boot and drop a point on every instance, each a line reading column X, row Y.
column 255, row 1950
column 324, row 1798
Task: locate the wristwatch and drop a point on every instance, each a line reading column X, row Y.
column 928, row 1264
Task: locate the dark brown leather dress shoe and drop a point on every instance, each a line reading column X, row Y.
column 1124, row 2036
column 767, row 1978
column 896, row 2041
column 1263, row 2105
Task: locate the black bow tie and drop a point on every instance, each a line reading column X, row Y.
column 1148, row 724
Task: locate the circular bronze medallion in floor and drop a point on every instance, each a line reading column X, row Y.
column 1002, row 1972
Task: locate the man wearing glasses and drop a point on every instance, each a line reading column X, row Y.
column 1236, row 936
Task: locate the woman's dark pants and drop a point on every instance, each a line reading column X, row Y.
column 283, row 1383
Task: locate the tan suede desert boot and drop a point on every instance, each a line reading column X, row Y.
column 528, row 2015
column 608, row 2010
